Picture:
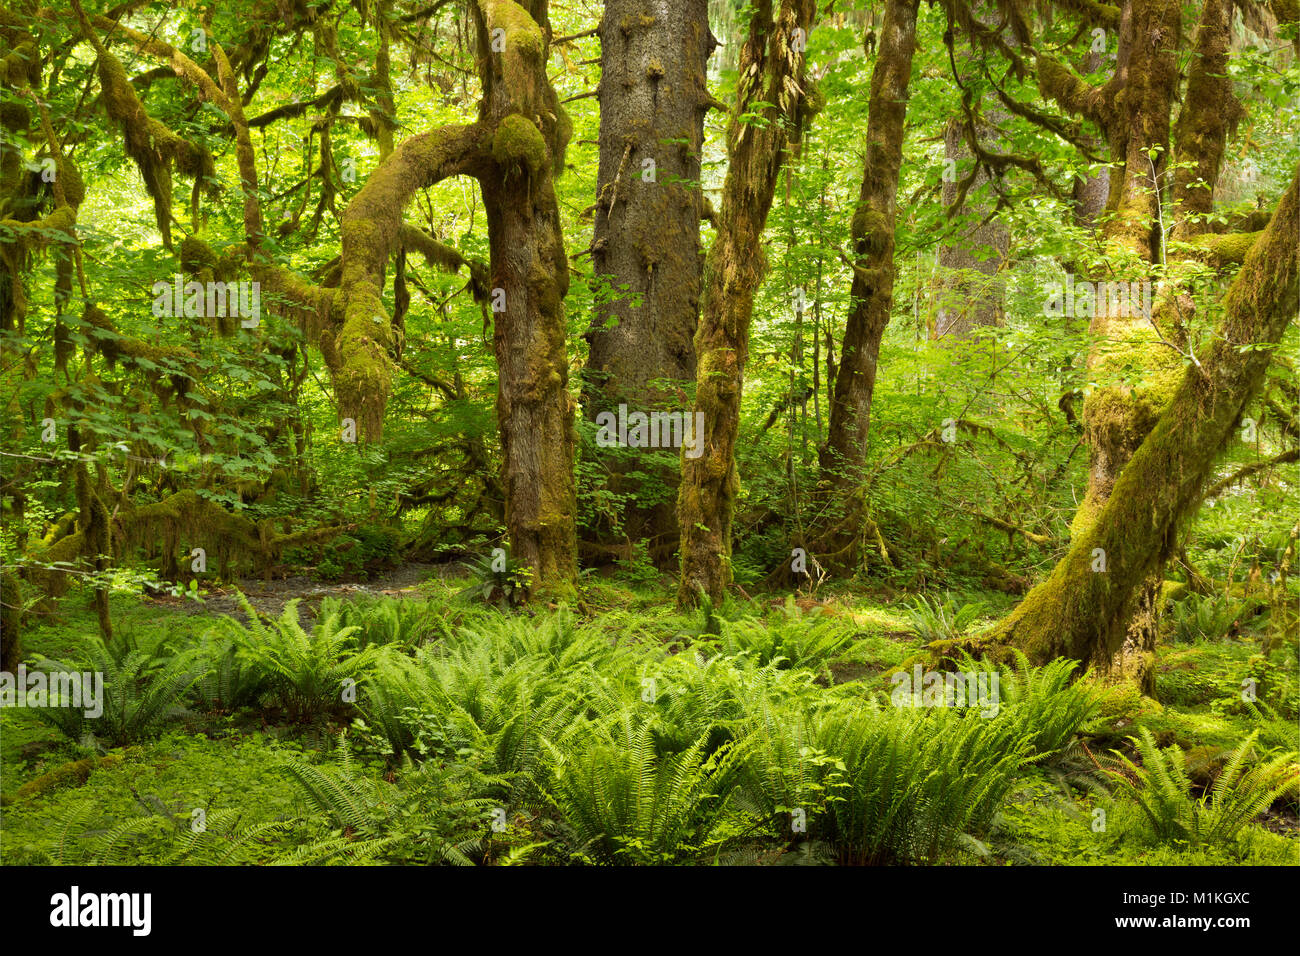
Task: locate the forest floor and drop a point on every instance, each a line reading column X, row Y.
column 216, row 759
column 269, row 596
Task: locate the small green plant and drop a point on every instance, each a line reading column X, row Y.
column 1205, row 618
column 310, row 674
column 914, row 786
column 497, row 579
column 229, row 680
column 943, row 619
column 1162, row 790
column 795, row 638
column 430, row 815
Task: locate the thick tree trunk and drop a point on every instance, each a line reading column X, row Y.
column 646, row 243
column 1084, row 614
column 1209, row 113
column 529, row 278
column 771, row 72
column 1133, row 109
column 872, row 292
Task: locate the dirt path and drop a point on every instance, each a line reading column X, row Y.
column 270, row 597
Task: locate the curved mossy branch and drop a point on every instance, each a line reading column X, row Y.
column 371, row 230
column 1091, row 12
column 244, row 155
column 114, row 346
column 1082, row 613
column 184, row 520
column 448, row 258
column 180, row 64
column 1222, row 249
column 151, row 145
column 1255, row 467
column 1058, row 82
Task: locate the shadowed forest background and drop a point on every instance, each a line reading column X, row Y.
column 505, row 432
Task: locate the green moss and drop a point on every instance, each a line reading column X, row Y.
column 518, row 141
column 1228, row 248
column 71, row 774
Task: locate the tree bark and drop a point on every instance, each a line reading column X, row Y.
column 646, row 242
column 529, row 277
column 872, row 292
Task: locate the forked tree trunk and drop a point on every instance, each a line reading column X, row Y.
column 1133, row 109
column 529, row 278
column 771, row 72
column 1084, row 614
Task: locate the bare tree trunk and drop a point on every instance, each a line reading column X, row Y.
column 646, row 242
column 872, row 293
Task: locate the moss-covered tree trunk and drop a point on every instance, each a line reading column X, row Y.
column 646, row 241
column 771, row 87
column 1133, row 109
column 529, row 277
column 1209, row 113
column 1084, row 613
column 872, row 293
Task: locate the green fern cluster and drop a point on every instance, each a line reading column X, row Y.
column 1161, row 789
column 1205, row 618
column 1046, row 704
column 943, row 619
column 507, row 737
column 620, row 799
column 793, row 638
column 142, row 690
column 308, row 673
column 384, row 622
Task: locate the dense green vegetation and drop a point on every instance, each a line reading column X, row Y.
column 959, row 527
column 630, row 734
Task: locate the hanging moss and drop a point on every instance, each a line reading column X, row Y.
column 151, row 145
